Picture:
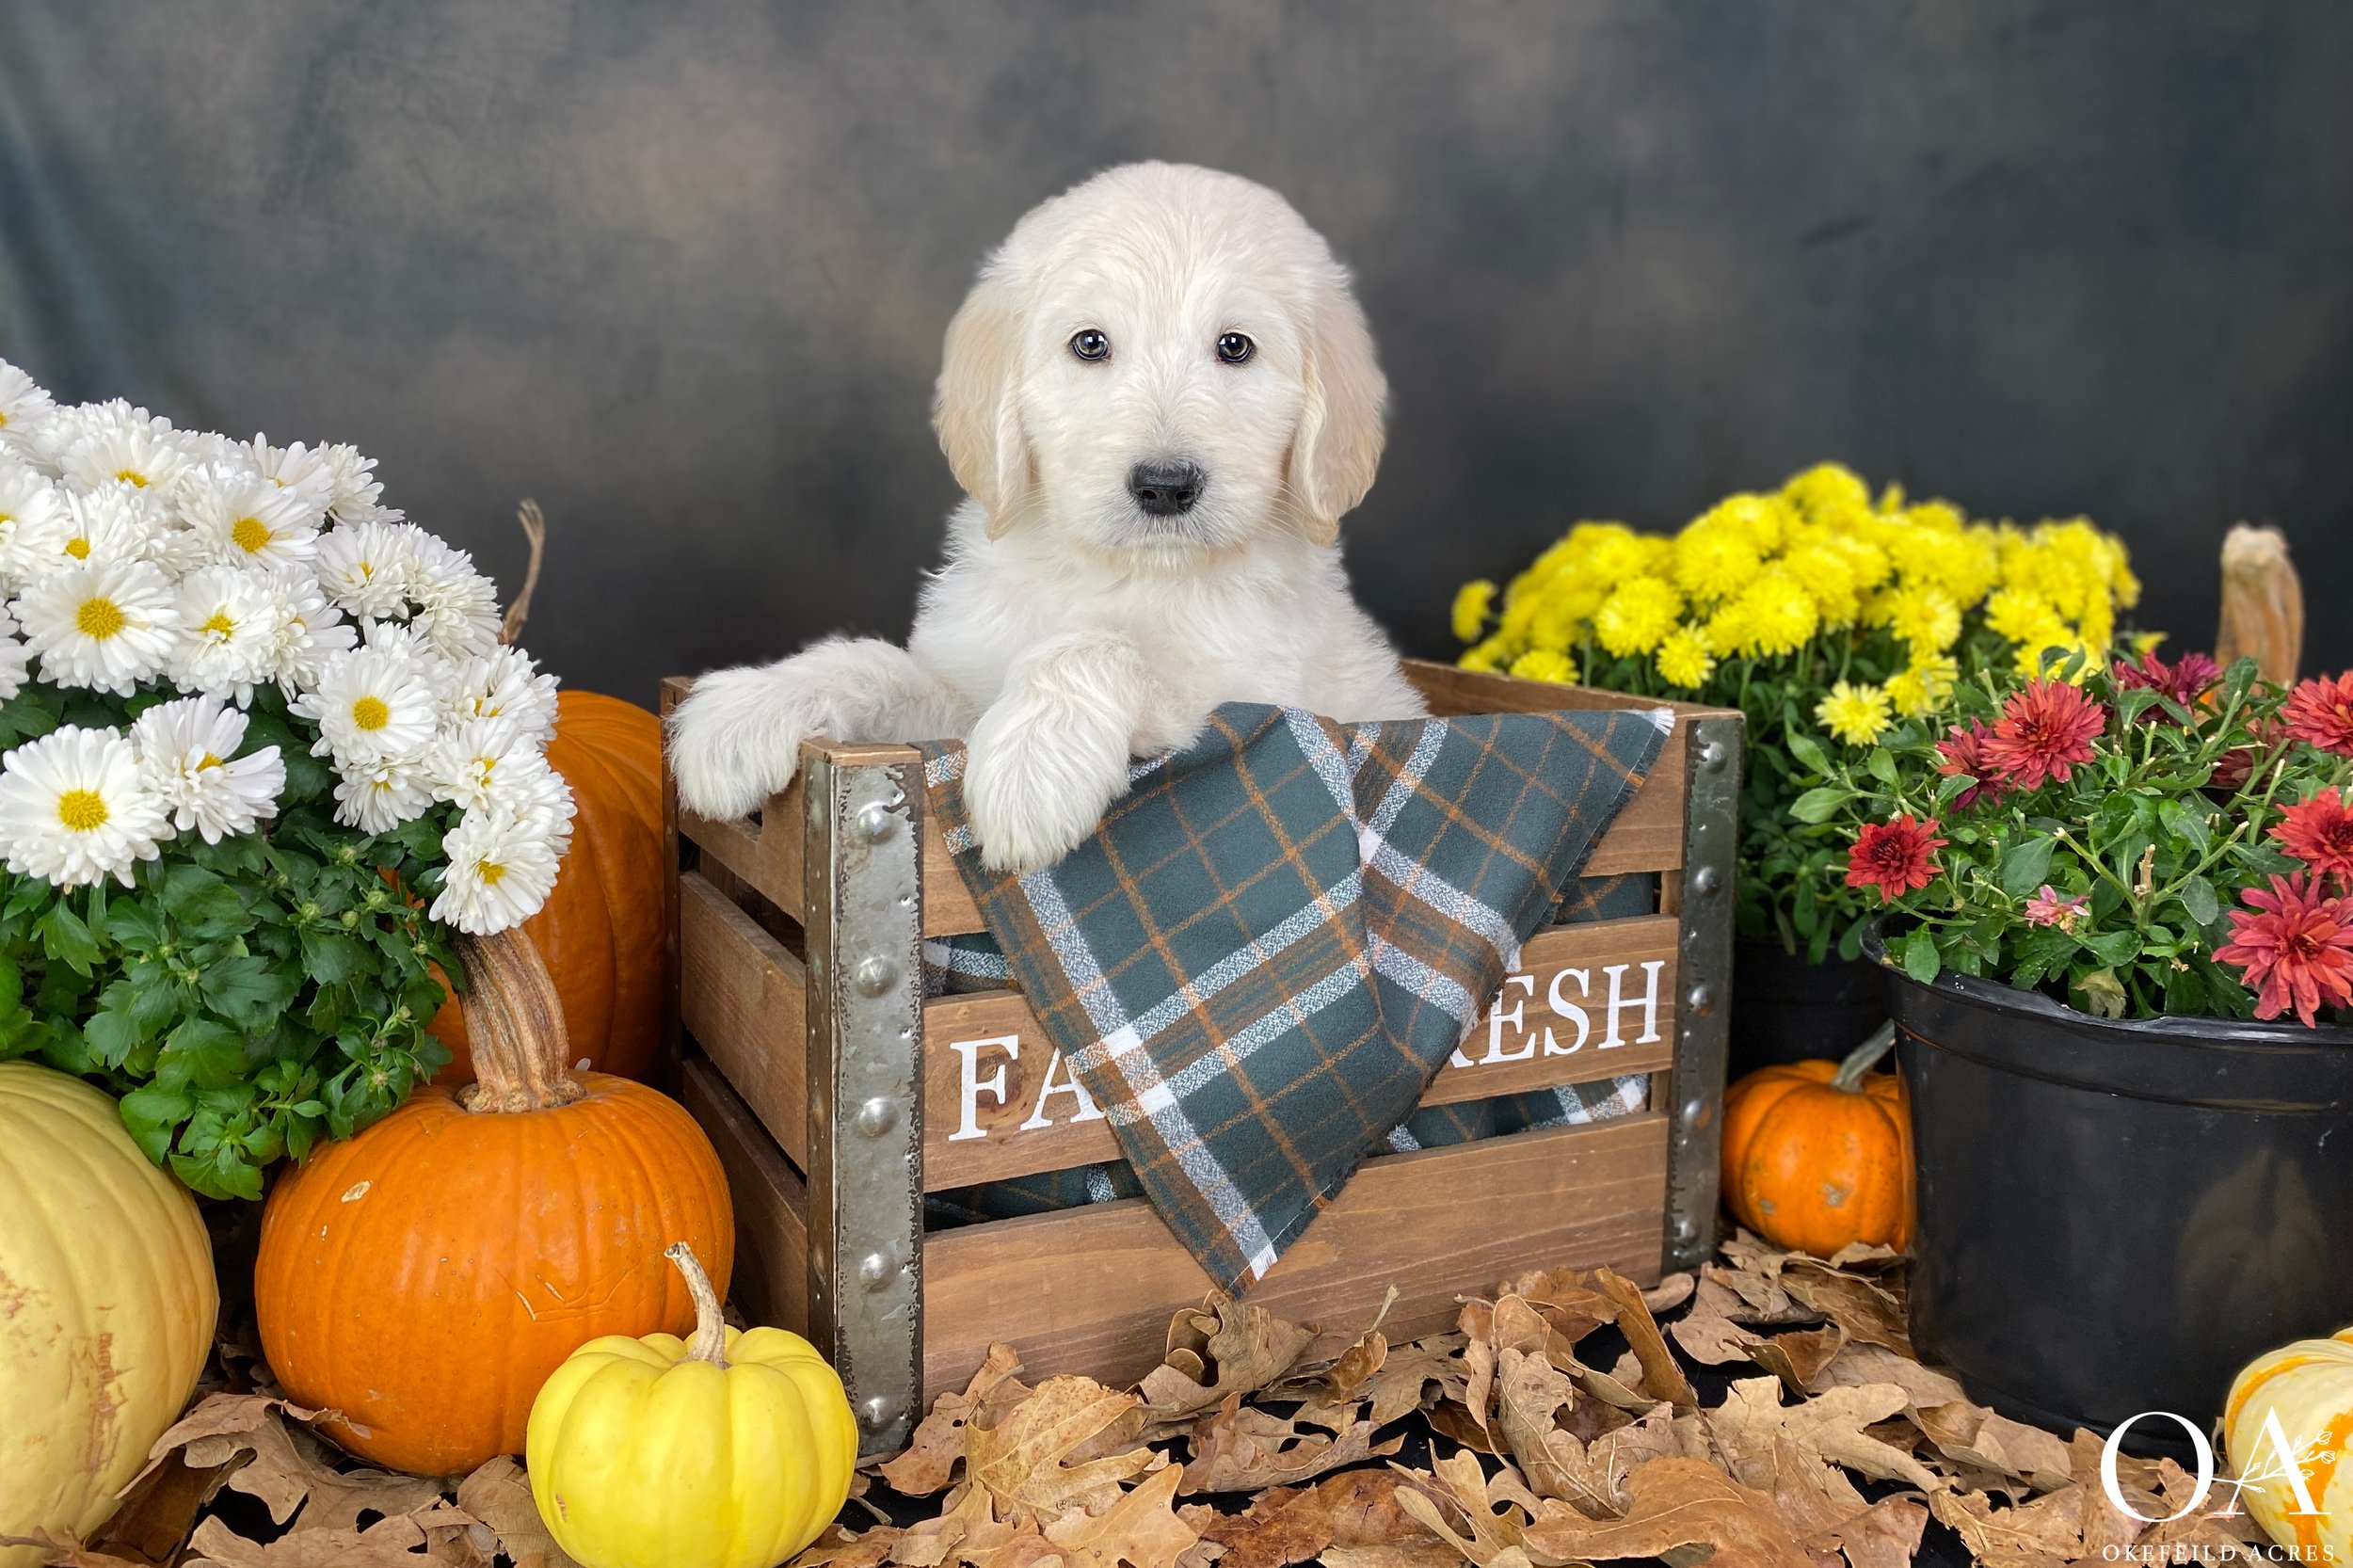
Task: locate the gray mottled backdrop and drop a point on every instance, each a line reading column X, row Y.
column 680, row 271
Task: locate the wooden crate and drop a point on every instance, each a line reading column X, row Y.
column 838, row 1095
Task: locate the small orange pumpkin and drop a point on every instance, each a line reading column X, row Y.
column 600, row 933
column 424, row 1277
column 1818, row 1154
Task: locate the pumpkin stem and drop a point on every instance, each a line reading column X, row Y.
column 534, row 523
column 711, row 1330
column 1864, row 1058
column 516, row 1022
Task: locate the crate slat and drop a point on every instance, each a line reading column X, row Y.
column 771, row 1202
column 742, row 997
column 1026, row 1126
column 1091, row 1291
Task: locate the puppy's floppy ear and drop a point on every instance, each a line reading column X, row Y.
column 1339, row 445
column 975, row 407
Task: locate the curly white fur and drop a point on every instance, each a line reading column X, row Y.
column 1068, row 630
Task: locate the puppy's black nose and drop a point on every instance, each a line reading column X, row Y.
column 1164, row 489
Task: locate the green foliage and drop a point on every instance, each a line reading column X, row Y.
column 245, row 998
column 2154, row 849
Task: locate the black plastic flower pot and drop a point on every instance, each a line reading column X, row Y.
column 1785, row 1008
column 2115, row 1217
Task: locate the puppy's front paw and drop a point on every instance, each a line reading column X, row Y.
column 734, row 742
column 1034, row 794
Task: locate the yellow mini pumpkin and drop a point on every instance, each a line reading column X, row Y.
column 106, row 1305
column 2308, row 1386
column 730, row 1450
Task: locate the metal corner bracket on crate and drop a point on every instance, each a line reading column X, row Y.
column 1711, row 838
column 865, row 1088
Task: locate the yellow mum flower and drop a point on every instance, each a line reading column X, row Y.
column 1829, row 490
column 1543, row 663
column 1613, row 553
column 1485, row 656
column 1637, row 616
column 2055, row 643
column 1924, row 617
column 1856, row 712
column 2017, row 613
column 1683, row 660
column 1776, row 614
column 1924, row 688
column 1714, row 563
column 1827, row 575
column 1472, row 606
column 1727, row 630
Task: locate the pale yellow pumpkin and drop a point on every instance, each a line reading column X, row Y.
column 730, row 1451
column 106, row 1305
column 2308, row 1386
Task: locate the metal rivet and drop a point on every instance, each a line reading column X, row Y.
column 874, row 1270
column 876, row 1412
column 1712, row 756
column 1686, row 1229
column 1699, row 1000
column 873, row 976
column 1704, row 880
column 874, row 822
column 877, row 1116
column 1693, row 1109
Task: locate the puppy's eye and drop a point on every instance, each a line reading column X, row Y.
column 1234, row 349
column 1089, row 345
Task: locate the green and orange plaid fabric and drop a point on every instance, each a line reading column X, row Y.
column 1259, row 961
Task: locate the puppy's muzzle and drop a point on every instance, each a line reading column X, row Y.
column 1166, row 490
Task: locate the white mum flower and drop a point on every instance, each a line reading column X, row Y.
column 458, row 608
column 505, row 684
column 379, row 795
column 404, row 638
column 228, row 625
column 31, row 502
column 248, row 519
column 367, row 567
column 128, row 452
column 119, row 522
column 492, row 764
column 372, row 704
column 103, row 626
column 14, row 658
column 72, row 811
column 354, row 492
column 305, row 630
column 187, row 759
column 502, row 867
column 25, row 412
column 305, row 470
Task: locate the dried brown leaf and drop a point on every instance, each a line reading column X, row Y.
column 1752, row 1418
column 1411, row 1554
column 1139, row 1529
column 841, row 1549
column 2030, row 1535
column 1671, row 1292
column 1458, row 1483
column 499, row 1494
column 1674, row 1504
column 1453, row 1421
column 1800, row 1356
column 1972, row 1436
column 1571, row 1300
column 1356, row 1509
column 1409, row 1370
column 1529, row 1390
column 1885, row 1535
column 1862, row 1308
column 1856, row 1364
column 1250, row 1349
column 1241, row 1448
column 1661, row 1378
column 405, row 1540
column 64, row 1551
column 968, row 1532
column 1710, row 1333
column 1023, row 1459
column 936, row 1448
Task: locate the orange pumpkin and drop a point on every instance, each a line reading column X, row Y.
column 600, row 933
column 1818, row 1154
column 424, row 1277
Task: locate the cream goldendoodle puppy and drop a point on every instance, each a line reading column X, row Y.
column 1159, row 398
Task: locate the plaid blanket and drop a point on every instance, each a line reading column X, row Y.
column 1278, row 936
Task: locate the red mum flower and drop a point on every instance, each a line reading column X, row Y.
column 1963, row 751
column 2319, row 832
column 2046, row 728
column 2320, row 714
column 1894, row 856
column 2234, row 767
column 2296, row 951
column 2185, row 681
column 2052, row 908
